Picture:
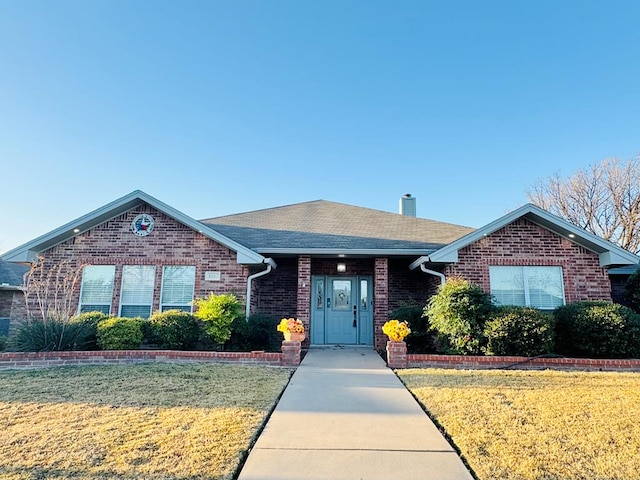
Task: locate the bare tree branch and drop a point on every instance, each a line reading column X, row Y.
column 49, row 289
column 603, row 199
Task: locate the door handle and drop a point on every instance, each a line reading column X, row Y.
column 328, row 302
column 355, row 317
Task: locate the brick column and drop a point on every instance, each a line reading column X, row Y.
column 291, row 353
column 396, row 354
column 303, row 310
column 381, row 299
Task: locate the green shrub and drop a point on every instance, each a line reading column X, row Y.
column 120, row 333
column 174, row 329
column 632, row 291
column 258, row 333
column 90, row 320
column 51, row 335
column 218, row 312
column 458, row 312
column 519, row 331
column 3, row 342
column 421, row 339
column 597, row 329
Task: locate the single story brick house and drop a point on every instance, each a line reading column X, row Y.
column 340, row 268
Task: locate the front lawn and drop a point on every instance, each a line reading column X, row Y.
column 537, row 425
column 160, row 421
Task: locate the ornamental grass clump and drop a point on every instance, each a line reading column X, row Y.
column 290, row 325
column 51, row 335
column 396, row 330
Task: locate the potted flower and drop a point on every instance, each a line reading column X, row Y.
column 292, row 329
column 396, row 330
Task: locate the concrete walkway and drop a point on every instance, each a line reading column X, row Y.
column 345, row 415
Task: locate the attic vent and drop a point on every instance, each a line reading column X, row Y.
column 408, row 205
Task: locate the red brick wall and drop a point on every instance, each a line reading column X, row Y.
column 521, row 363
column 6, row 300
column 277, row 290
column 170, row 243
column 22, row 360
column 304, row 291
column 618, row 293
column 12, row 306
column 354, row 266
column 381, row 298
column 525, row 243
column 409, row 286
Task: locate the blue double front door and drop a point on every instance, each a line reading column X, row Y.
column 341, row 310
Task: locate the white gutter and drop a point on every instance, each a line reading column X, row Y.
column 270, row 266
column 443, row 279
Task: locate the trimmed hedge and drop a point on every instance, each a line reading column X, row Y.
column 120, row 333
column 218, row 313
column 421, row 339
column 458, row 313
column 597, row 329
column 519, row 331
column 90, row 320
column 174, row 329
column 257, row 333
column 632, row 291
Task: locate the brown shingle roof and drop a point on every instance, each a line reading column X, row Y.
column 324, row 224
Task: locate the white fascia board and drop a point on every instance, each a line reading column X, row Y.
column 609, row 253
column 19, row 256
column 612, row 258
column 28, row 251
column 415, row 264
column 343, row 251
column 451, row 257
column 12, row 288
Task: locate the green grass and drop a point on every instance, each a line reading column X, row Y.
column 517, row 425
column 159, row 421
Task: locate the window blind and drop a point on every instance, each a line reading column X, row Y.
column 538, row 287
column 136, row 297
column 178, row 284
column 96, row 290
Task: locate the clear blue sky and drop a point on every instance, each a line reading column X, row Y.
column 222, row 107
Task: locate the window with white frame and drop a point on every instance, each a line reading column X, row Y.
column 136, row 296
column 96, row 290
column 538, row 287
column 178, row 283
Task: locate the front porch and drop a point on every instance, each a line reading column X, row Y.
column 346, row 305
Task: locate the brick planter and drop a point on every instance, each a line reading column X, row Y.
column 291, row 350
column 396, row 354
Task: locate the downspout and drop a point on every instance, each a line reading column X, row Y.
column 443, row 279
column 270, row 266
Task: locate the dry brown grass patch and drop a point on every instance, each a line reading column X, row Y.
column 537, row 425
column 156, row 421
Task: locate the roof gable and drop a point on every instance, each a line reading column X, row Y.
column 609, row 254
column 326, row 226
column 28, row 251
